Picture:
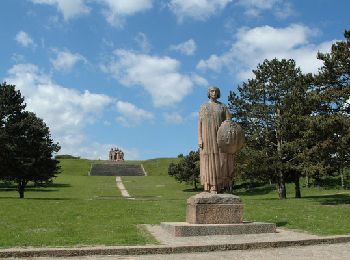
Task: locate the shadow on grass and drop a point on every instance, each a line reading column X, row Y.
column 334, row 199
column 155, row 198
column 281, row 223
column 193, row 190
column 247, row 189
column 50, row 199
column 5, row 187
column 17, row 198
column 59, row 185
column 109, row 198
column 252, row 191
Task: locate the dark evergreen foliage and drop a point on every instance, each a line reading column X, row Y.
column 25, row 143
column 296, row 124
column 272, row 108
column 330, row 123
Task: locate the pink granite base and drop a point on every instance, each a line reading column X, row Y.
column 208, row 208
column 215, row 214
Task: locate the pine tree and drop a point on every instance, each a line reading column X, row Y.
column 330, row 125
column 272, row 108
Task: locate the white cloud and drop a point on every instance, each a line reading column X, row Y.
column 284, row 10
column 173, row 118
column 198, row 80
column 254, row 8
column 214, row 63
column 24, row 39
column 65, row 60
column 68, row 8
column 254, row 45
column 116, row 11
column 188, row 47
column 17, row 58
column 143, row 42
column 130, row 115
column 196, row 9
column 66, row 111
column 159, row 76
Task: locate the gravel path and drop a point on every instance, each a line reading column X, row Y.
column 121, row 187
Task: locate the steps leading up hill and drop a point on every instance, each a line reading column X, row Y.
column 116, row 169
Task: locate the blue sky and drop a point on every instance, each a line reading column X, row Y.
column 133, row 73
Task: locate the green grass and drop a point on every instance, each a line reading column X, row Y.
column 158, row 167
column 79, row 210
column 319, row 211
column 82, row 210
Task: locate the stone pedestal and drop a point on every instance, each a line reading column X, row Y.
column 208, row 208
column 183, row 229
column 215, row 214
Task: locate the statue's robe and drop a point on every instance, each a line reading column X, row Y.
column 216, row 169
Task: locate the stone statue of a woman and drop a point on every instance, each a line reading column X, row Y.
column 216, row 168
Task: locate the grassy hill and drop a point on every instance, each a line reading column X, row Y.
column 78, row 209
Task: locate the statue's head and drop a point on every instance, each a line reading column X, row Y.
column 214, row 89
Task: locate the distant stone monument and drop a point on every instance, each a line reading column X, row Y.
column 116, row 155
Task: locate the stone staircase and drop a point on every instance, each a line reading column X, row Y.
column 116, row 169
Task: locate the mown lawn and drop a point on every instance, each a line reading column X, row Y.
column 82, row 210
column 319, row 211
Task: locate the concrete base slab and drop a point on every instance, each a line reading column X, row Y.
column 175, row 245
column 184, row 229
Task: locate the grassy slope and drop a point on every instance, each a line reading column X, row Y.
column 83, row 210
column 77, row 210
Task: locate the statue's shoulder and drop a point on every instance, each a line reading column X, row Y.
column 204, row 110
column 204, row 106
column 210, row 106
column 222, row 105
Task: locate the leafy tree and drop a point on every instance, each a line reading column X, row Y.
column 28, row 147
column 66, row 156
column 272, row 108
column 187, row 169
column 180, row 155
column 330, row 125
column 11, row 107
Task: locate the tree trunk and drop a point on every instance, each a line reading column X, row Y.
column 341, row 171
column 281, row 186
column 21, row 193
column 20, row 188
column 297, row 186
column 195, row 185
column 307, row 181
column 281, row 182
